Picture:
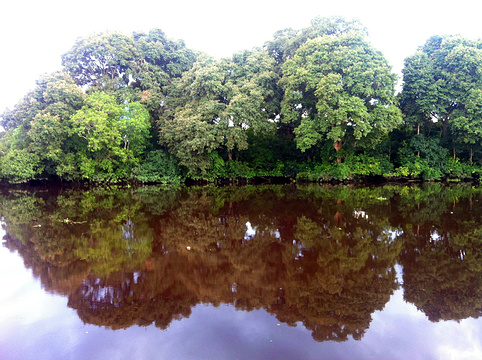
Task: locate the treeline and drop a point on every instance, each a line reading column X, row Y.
column 313, row 104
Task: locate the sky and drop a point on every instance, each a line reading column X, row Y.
column 34, row 34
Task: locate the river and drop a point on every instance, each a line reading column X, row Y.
column 253, row 272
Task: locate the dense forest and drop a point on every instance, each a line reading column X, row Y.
column 317, row 104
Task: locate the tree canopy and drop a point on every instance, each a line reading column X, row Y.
column 441, row 88
column 102, row 60
column 215, row 102
column 339, row 89
column 315, row 104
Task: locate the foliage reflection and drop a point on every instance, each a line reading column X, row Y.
column 323, row 256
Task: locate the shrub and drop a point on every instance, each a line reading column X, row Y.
column 19, row 165
column 158, row 167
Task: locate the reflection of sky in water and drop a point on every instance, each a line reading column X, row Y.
column 250, row 232
column 34, row 324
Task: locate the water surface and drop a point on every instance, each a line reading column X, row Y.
column 285, row 272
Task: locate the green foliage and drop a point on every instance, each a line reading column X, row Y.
column 307, row 99
column 213, row 105
column 134, row 128
column 240, row 170
column 422, row 157
column 19, row 165
column 271, row 154
column 158, row 167
column 355, row 167
column 415, row 167
column 218, row 166
column 101, row 60
column 56, row 94
column 97, row 121
column 163, row 61
column 442, row 88
column 340, row 90
column 459, row 170
column 287, row 41
column 68, row 167
column 115, row 137
column 38, row 124
column 369, row 166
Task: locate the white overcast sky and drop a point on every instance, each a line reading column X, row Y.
column 34, row 34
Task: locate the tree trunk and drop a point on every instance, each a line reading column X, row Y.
column 418, row 133
column 230, row 155
column 338, row 145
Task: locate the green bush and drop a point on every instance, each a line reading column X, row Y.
column 415, row 167
column 460, row 170
column 158, row 167
column 19, row 166
column 361, row 165
column 422, row 157
column 353, row 167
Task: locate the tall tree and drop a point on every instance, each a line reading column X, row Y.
column 441, row 85
column 213, row 104
column 162, row 60
column 55, row 93
column 37, row 137
column 285, row 42
column 467, row 123
column 339, row 89
column 103, row 61
column 131, row 68
column 112, row 137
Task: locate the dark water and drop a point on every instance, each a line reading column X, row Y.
column 266, row 272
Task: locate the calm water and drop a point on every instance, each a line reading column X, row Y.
column 266, row 272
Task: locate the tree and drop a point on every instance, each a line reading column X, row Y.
column 162, row 60
column 19, row 165
column 467, row 124
column 55, row 94
column 213, row 104
column 339, row 89
column 103, row 61
column 134, row 128
column 441, row 85
column 287, row 41
column 113, row 136
column 37, row 126
column 133, row 68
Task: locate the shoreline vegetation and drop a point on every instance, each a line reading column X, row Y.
column 311, row 105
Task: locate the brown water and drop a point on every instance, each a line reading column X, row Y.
column 266, row 272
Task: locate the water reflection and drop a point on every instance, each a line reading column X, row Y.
column 321, row 256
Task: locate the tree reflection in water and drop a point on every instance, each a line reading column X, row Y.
column 323, row 256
